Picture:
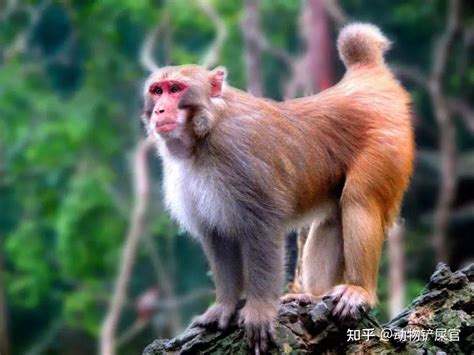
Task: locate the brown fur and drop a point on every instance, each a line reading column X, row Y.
column 268, row 164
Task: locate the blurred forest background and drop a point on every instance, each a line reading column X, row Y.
column 78, row 183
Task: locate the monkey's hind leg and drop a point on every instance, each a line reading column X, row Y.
column 363, row 234
column 322, row 263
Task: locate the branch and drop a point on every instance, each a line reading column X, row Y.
column 274, row 51
column 299, row 66
column 396, row 272
column 333, row 9
column 411, row 74
column 19, row 44
column 462, row 109
column 46, row 338
column 336, row 12
column 136, row 229
column 211, row 59
column 146, row 54
column 445, row 41
column 132, row 331
column 184, row 300
column 147, row 60
column 142, row 323
column 447, row 131
column 162, row 279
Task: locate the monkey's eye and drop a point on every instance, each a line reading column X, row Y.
column 157, row 90
column 174, row 88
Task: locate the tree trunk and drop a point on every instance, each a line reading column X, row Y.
column 319, row 46
column 251, row 31
column 447, row 132
column 438, row 320
column 107, row 340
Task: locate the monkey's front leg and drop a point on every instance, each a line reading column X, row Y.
column 225, row 258
column 263, row 255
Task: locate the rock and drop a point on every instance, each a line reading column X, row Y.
column 438, row 320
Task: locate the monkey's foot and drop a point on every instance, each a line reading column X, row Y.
column 258, row 322
column 295, row 287
column 301, row 298
column 219, row 314
column 351, row 301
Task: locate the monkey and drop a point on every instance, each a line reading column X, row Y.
column 239, row 171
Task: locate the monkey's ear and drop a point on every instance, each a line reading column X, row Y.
column 217, row 78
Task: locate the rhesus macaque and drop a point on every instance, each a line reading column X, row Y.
column 239, row 171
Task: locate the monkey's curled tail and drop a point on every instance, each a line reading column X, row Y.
column 362, row 43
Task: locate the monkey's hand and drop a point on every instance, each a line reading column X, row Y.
column 219, row 314
column 258, row 320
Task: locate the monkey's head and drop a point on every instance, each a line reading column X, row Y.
column 180, row 100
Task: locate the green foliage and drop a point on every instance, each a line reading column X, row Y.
column 85, row 220
column 32, row 279
column 82, row 309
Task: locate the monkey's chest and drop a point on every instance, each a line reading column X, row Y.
column 198, row 200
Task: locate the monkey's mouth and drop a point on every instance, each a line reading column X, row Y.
column 165, row 126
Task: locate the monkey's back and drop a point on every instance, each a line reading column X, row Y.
column 307, row 147
column 362, row 129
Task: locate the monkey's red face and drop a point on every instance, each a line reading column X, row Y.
column 180, row 101
column 164, row 117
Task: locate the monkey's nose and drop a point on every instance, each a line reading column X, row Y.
column 160, row 111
